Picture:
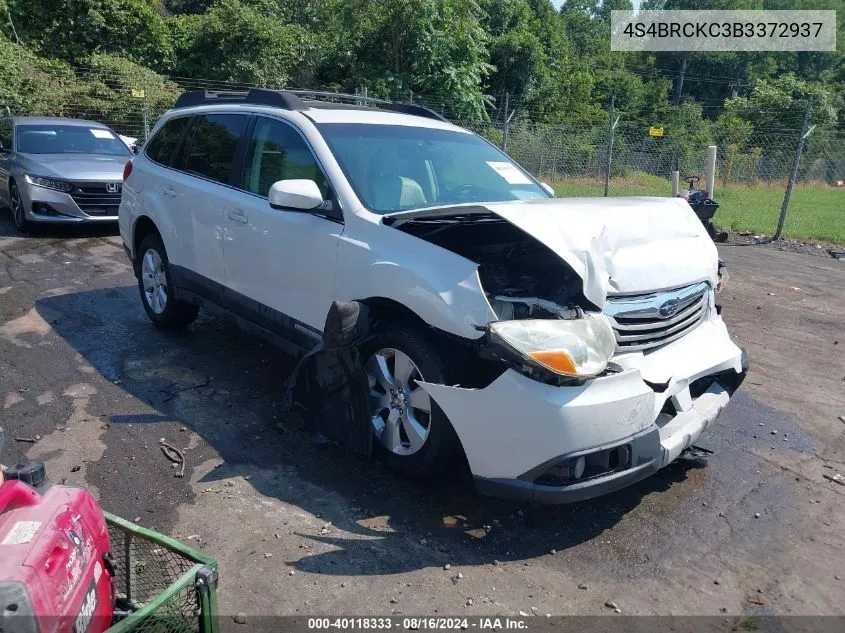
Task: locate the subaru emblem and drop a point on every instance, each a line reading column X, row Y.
column 112, row 187
column 669, row 308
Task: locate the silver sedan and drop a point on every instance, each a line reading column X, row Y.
column 55, row 170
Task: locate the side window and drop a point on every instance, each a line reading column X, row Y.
column 6, row 133
column 209, row 150
column 277, row 152
column 163, row 145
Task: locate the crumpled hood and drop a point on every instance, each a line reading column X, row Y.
column 616, row 245
column 620, row 245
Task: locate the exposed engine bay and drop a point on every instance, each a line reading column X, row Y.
column 521, row 277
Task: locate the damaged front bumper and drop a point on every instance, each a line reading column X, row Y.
column 558, row 444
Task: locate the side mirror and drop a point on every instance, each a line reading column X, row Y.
column 303, row 195
column 549, row 189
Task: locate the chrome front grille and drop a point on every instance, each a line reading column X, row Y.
column 94, row 198
column 648, row 321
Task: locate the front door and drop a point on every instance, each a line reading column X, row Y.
column 281, row 259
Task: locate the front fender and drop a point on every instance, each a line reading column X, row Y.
column 442, row 288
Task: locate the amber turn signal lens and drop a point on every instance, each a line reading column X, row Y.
column 558, row 361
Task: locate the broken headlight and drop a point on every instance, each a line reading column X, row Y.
column 569, row 347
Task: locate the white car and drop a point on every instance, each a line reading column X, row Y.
column 567, row 347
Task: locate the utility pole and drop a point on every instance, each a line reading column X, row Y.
column 611, row 127
column 805, row 132
column 146, row 114
column 506, row 124
column 679, row 88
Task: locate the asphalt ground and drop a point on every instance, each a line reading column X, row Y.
column 304, row 528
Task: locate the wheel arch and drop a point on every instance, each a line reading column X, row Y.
column 142, row 227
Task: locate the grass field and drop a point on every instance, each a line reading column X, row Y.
column 815, row 211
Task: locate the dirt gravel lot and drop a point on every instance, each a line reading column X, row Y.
column 301, row 528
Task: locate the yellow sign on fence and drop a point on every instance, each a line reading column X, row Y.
column 137, row 94
column 655, row 131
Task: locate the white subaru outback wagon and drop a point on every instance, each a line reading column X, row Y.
column 567, row 347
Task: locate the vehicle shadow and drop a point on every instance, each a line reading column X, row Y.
column 225, row 386
column 55, row 231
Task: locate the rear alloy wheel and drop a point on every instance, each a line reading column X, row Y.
column 156, row 287
column 407, row 423
column 18, row 211
column 154, row 280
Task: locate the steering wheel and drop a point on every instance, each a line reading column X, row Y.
column 692, row 180
column 464, row 191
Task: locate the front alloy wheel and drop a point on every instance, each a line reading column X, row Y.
column 401, row 410
column 18, row 212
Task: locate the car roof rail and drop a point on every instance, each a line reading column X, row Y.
column 299, row 100
column 257, row 96
column 316, row 97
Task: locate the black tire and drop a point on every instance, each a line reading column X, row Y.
column 175, row 315
column 441, row 446
column 16, row 209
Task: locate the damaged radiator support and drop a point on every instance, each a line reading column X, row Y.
column 329, row 384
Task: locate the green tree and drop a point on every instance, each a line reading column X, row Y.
column 780, row 103
column 72, row 30
column 234, row 41
column 433, row 49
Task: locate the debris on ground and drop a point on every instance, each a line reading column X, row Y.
column 836, row 254
column 583, row 586
column 240, row 618
column 447, row 567
column 756, row 515
column 175, row 393
column 174, row 455
column 837, row 478
column 842, row 417
column 794, row 288
column 754, row 600
column 28, row 440
column 75, row 469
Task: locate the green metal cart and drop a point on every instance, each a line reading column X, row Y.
column 162, row 585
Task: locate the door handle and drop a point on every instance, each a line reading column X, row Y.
column 237, row 215
column 169, row 191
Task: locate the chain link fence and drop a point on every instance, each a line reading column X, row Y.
column 560, row 152
column 130, row 101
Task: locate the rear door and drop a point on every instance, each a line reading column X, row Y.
column 277, row 258
column 200, row 190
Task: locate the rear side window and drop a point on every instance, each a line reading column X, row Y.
column 162, row 146
column 6, row 133
column 209, row 151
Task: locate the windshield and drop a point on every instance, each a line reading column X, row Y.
column 397, row 167
column 68, row 139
